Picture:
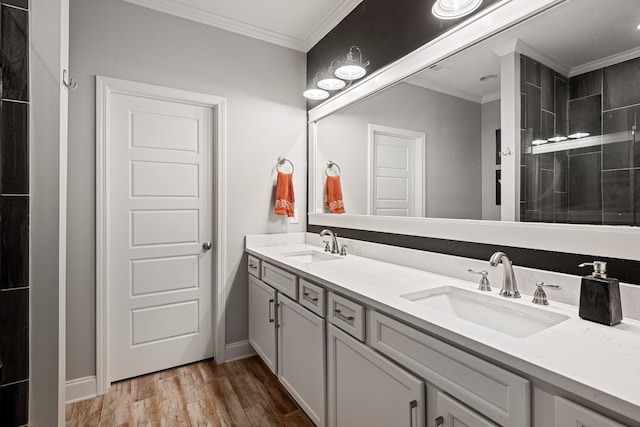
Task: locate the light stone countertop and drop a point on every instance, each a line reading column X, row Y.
column 598, row 363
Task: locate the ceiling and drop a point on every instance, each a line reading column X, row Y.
column 296, row 24
column 573, row 38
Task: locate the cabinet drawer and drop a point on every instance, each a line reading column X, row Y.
column 312, row 297
column 282, row 280
column 254, row 266
column 347, row 315
column 568, row 413
column 492, row 391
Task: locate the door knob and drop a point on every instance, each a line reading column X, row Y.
column 206, row 246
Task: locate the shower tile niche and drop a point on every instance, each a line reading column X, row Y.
column 596, row 183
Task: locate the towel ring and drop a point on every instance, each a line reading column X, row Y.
column 282, row 161
column 330, row 165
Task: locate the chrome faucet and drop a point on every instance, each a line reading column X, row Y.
column 334, row 240
column 509, row 285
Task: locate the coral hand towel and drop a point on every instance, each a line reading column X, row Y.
column 285, row 199
column 333, row 195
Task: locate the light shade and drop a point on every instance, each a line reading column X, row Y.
column 315, row 94
column 578, row 135
column 557, row 138
column 454, row 9
column 331, row 83
column 350, row 71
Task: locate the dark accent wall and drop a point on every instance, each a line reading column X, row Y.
column 599, row 184
column 384, row 30
column 14, row 213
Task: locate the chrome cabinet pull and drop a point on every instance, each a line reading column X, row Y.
column 439, row 421
column 271, row 319
column 339, row 315
column 306, row 296
column 412, row 405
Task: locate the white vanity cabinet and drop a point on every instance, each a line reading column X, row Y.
column 451, row 413
column 301, row 357
column 262, row 321
column 288, row 337
column 484, row 389
column 366, row 389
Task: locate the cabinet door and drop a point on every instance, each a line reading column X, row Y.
column 301, row 357
column 366, row 389
column 571, row 414
column 262, row 321
column 451, row 413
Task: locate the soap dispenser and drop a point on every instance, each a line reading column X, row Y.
column 600, row 296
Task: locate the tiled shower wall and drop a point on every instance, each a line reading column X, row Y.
column 593, row 185
column 14, row 213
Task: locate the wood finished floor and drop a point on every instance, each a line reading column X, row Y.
column 241, row 393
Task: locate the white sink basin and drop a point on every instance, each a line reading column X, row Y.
column 310, row 256
column 495, row 313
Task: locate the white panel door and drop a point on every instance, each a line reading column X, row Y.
column 160, row 191
column 396, row 182
column 366, row 389
column 301, row 357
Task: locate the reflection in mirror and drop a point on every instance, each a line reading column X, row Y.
column 427, row 146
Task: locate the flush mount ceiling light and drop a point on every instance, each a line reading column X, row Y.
column 329, row 82
column 352, row 69
column 314, row 92
column 454, row 9
column 578, row 135
column 488, row 77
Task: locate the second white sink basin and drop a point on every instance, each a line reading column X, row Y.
column 310, row 256
column 491, row 312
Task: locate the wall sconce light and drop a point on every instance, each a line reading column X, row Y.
column 350, row 69
column 334, row 78
column 314, row 92
column 454, row 9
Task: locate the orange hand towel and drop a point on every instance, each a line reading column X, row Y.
column 285, row 199
column 333, row 195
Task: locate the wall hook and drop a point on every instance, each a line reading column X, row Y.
column 69, row 83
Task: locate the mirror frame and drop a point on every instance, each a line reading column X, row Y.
column 598, row 240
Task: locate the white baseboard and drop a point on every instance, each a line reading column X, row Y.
column 80, row 389
column 238, row 350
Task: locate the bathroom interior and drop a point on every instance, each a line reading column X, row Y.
column 482, row 267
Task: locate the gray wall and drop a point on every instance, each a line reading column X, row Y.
column 453, row 138
column 490, row 122
column 46, row 400
column 266, row 118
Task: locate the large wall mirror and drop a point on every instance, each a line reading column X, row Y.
column 534, row 123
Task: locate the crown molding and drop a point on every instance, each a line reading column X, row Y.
column 491, row 97
column 173, row 7
column 448, row 90
column 605, row 62
column 339, row 13
column 198, row 15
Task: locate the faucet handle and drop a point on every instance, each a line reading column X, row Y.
column 343, row 249
column 484, row 281
column 327, row 248
column 540, row 297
